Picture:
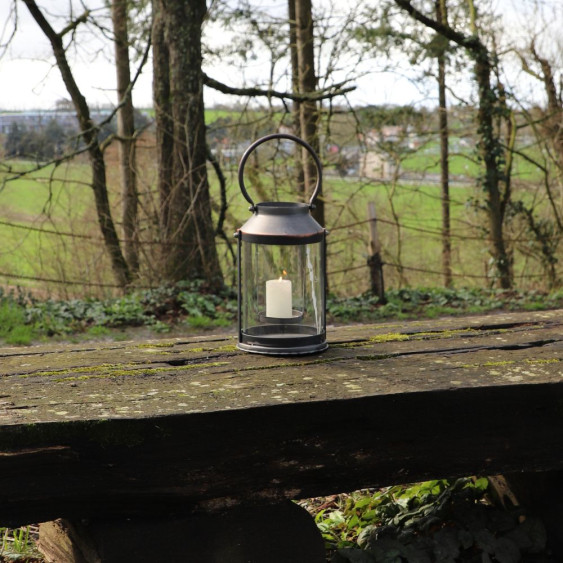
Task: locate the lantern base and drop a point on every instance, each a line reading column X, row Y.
column 296, row 318
column 282, row 340
column 292, row 351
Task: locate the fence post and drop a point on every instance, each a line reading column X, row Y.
column 375, row 263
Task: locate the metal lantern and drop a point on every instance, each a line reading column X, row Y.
column 281, row 272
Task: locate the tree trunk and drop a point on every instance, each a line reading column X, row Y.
column 89, row 132
column 308, row 114
column 296, row 106
column 188, row 250
column 444, row 156
column 490, row 153
column 126, row 132
column 552, row 126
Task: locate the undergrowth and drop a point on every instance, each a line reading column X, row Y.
column 19, row 544
column 432, row 522
column 432, row 302
column 193, row 305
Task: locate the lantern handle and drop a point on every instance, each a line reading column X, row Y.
column 293, row 138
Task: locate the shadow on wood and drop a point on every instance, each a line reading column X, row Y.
column 283, row 533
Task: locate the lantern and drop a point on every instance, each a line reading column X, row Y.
column 281, row 272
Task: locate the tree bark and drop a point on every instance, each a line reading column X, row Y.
column 89, row 132
column 187, row 232
column 296, row 105
column 308, row 111
column 444, row 155
column 126, row 132
column 490, row 153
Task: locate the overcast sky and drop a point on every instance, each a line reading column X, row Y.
column 29, row 81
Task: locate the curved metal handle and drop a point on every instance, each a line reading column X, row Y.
column 293, row 138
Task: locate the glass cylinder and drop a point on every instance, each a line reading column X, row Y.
column 282, row 281
column 282, row 271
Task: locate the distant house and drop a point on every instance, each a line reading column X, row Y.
column 387, row 134
column 392, row 133
column 376, row 165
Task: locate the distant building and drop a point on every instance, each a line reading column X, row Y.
column 37, row 120
column 376, row 165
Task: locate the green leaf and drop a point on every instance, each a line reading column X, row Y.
column 505, row 551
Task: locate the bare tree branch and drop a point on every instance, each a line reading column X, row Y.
column 471, row 43
column 73, row 25
column 327, row 93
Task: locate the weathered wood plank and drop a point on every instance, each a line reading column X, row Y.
column 193, row 423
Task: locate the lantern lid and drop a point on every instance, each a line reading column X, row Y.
column 281, row 223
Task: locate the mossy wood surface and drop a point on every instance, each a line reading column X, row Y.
column 170, row 426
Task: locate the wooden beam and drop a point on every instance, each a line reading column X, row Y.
column 184, row 425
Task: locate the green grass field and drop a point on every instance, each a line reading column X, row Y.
column 408, row 213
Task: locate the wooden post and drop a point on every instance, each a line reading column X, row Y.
column 375, row 263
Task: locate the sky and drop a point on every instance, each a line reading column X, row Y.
column 29, row 80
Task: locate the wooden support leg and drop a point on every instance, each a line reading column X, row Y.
column 283, row 533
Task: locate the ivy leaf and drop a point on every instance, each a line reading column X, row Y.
column 465, row 539
column 505, row 551
column 485, row 540
column 530, row 536
column 446, row 544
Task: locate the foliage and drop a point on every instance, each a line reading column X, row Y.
column 23, row 318
column 42, row 144
column 354, row 516
column 13, row 327
column 192, row 304
column 430, row 302
column 431, row 521
column 378, row 117
column 19, row 544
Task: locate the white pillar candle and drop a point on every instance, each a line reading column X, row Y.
column 278, row 299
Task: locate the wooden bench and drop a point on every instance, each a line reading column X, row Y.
column 172, row 446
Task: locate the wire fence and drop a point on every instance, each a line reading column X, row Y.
column 353, row 237
column 45, row 253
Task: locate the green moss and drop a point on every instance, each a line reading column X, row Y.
column 225, row 348
column 156, row 345
column 67, row 370
column 378, row 339
column 444, row 333
column 512, row 362
column 350, row 344
column 390, row 337
column 290, row 365
column 372, row 357
column 119, row 372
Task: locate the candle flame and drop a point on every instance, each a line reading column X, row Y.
column 284, row 274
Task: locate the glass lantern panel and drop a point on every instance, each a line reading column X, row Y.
column 282, row 285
